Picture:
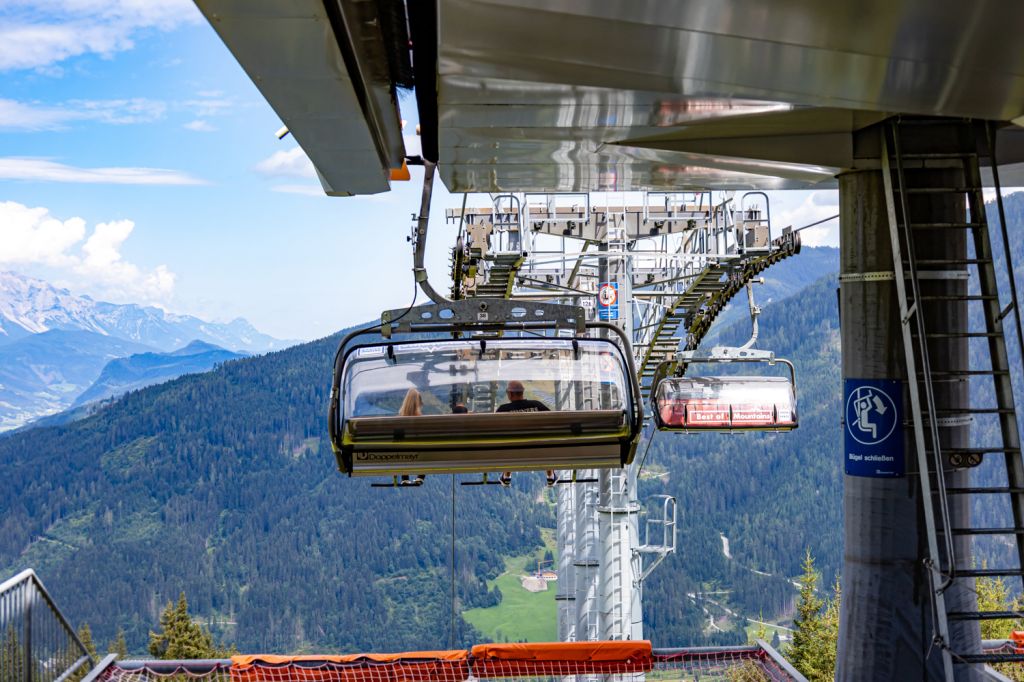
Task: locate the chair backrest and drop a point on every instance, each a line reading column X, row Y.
column 487, row 426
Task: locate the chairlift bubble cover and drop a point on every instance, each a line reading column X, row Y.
column 591, row 420
column 726, row 403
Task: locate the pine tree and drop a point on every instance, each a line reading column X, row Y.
column 830, row 631
column 85, row 635
column 181, row 638
column 12, row 658
column 813, row 651
column 118, row 645
column 761, row 632
column 993, row 596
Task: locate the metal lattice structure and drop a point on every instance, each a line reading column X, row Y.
column 669, row 263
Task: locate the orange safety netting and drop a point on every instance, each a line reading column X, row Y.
column 410, row 666
column 483, row 661
column 562, row 658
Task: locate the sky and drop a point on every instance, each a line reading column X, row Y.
column 138, row 164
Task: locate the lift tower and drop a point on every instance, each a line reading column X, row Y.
column 662, row 269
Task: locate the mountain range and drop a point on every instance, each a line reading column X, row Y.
column 55, row 345
column 145, row 369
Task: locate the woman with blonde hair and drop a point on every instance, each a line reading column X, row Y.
column 412, row 405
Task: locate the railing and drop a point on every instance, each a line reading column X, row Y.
column 752, row 662
column 37, row 644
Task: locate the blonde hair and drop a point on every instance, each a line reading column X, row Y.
column 412, row 405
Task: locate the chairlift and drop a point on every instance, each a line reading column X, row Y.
column 579, row 408
column 727, row 403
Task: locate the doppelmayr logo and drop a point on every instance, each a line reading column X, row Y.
column 387, row 456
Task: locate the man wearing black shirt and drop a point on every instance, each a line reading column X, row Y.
column 516, row 403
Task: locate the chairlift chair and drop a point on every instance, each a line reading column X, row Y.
column 586, row 381
column 727, row 403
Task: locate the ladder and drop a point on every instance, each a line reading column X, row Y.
column 500, row 276
column 952, row 145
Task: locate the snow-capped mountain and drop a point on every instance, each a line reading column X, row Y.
column 55, row 344
column 32, row 306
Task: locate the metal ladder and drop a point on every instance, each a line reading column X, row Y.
column 500, row 276
column 908, row 271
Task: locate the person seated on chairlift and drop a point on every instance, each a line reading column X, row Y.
column 516, row 402
column 459, row 408
column 412, row 404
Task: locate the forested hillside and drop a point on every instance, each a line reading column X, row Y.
column 772, row 495
column 220, row 485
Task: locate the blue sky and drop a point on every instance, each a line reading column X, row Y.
column 138, row 163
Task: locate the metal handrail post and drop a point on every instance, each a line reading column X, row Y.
column 27, row 614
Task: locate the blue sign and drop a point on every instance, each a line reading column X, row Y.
column 608, row 301
column 873, row 433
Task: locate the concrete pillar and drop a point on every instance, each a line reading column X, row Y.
column 886, row 620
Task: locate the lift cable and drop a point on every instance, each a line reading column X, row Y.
column 817, row 222
column 643, row 460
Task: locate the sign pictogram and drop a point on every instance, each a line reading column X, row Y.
column 873, row 433
column 608, row 301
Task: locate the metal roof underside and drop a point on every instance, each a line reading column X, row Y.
column 578, row 95
column 340, row 108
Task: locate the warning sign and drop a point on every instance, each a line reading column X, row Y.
column 873, row 433
column 608, row 301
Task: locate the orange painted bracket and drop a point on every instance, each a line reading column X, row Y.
column 401, row 174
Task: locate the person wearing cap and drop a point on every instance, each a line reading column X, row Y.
column 516, row 401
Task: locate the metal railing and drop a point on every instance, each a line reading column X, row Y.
column 745, row 662
column 37, row 644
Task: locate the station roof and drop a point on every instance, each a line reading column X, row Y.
column 592, row 95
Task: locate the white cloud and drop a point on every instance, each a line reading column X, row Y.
column 37, row 35
column 207, row 105
column 120, row 111
column 103, row 248
column 199, row 126
column 22, row 116
column 292, row 163
column 34, row 237
column 33, row 116
column 817, row 205
column 44, row 170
